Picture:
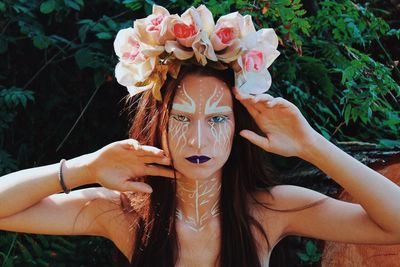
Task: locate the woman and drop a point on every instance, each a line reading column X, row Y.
column 188, row 188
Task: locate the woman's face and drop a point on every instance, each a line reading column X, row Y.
column 201, row 126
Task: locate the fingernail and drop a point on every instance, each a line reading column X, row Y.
column 147, row 189
column 242, row 133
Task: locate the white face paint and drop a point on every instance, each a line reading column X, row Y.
column 220, row 131
column 200, row 135
column 199, row 196
column 201, row 126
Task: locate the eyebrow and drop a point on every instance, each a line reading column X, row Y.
column 209, row 109
column 188, row 109
column 221, row 109
column 212, row 107
column 183, row 107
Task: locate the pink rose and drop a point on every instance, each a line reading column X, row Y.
column 156, row 23
column 265, row 41
column 259, row 51
column 192, row 31
column 127, row 46
column 153, row 29
column 226, row 34
column 253, row 60
column 228, row 29
column 133, row 52
column 181, row 30
column 226, row 39
column 186, row 27
column 137, row 59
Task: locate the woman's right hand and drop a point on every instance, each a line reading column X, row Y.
column 114, row 165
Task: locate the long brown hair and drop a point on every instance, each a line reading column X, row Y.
column 246, row 171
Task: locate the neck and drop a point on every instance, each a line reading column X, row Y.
column 198, row 201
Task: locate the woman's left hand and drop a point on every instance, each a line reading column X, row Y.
column 287, row 132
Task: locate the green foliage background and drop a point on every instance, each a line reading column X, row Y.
column 59, row 99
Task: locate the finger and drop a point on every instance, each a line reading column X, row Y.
column 142, row 150
column 137, row 186
column 130, row 144
column 251, row 109
column 260, row 101
column 256, row 139
column 158, row 160
column 150, row 151
column 246, row 102
column 128, row 185
column 241, row 95
column 154, row 170
column 277, row 101
column 262, row 98
column 235, row 90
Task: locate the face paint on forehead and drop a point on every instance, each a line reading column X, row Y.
column 188, row 106
column 213, row 107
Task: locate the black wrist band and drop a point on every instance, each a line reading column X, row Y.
column 61, row 178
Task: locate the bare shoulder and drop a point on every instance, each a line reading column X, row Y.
column 305, row 212
column 59, row 214
column 118, row 225
column 260, row 203
column 277, row 204
column 95, row 211
column 284, row 197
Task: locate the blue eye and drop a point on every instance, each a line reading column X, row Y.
column 218, row 119
column 180, row 118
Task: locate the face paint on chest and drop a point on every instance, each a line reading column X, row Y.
column 202, row 195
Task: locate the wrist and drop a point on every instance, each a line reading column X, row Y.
column 311, row 149
column 76, row 173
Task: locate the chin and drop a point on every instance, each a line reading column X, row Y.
column 198, row 173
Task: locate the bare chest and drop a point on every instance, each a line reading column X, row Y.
column 205, row 251
column 198, row 248
column 203, row 248
column 200, row 254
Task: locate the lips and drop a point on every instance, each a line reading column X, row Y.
column 198, row 159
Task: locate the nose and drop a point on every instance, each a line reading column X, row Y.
column 197, row 138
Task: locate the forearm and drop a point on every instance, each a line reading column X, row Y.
column 378, row 195
column 22, row 189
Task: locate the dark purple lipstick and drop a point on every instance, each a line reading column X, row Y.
column 198, row 159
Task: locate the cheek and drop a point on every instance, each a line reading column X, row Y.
column 177, row 136
column 222, row 135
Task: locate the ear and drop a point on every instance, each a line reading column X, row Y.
column 164, row 143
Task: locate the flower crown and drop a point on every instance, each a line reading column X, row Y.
column 160, row 43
